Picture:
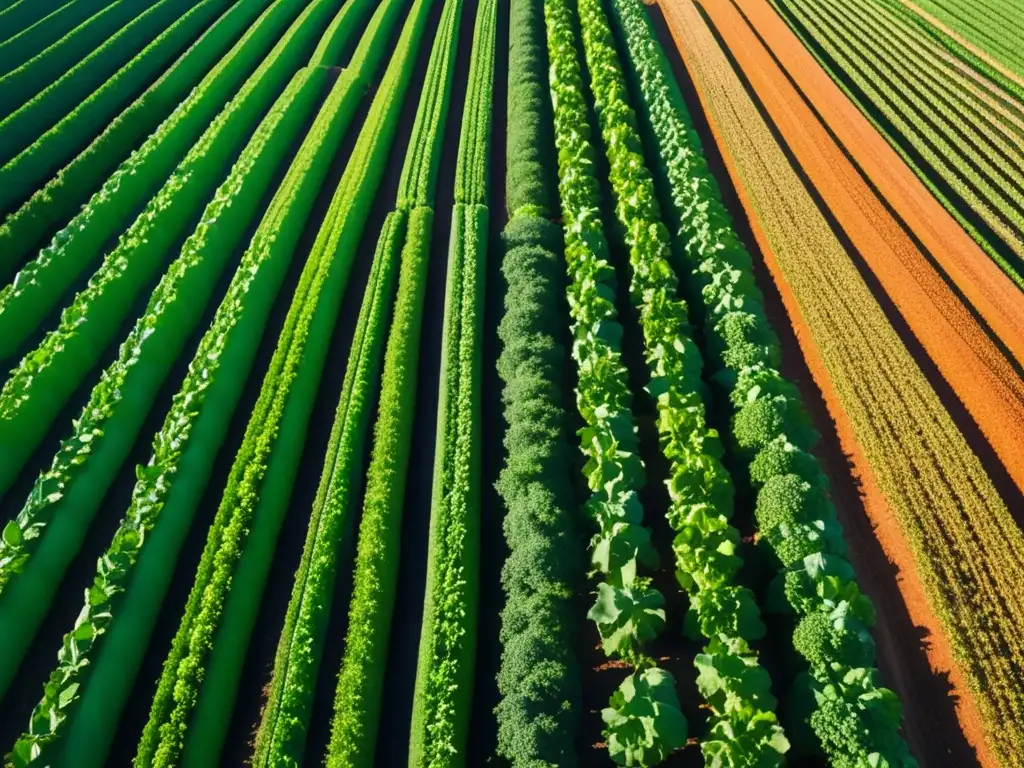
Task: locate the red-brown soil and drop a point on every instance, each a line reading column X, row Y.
column 985, row 378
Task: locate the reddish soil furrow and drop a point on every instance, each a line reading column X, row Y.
column 869, row 365
column 986, row 381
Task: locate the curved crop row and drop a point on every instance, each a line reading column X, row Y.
column 644, row 721
column 41, row 283
column 21, row 127
column 419, row 173
column 196, row 691
column 855, row 719
column 33, row 395
column 33, row 40
column 18, row 16
column 28, row 169
column 102, row 654
column 59, row 200
column 70, row 492
column 359, row 691
column 282, row 732
column 444, row 672
column 474, row 140
column 32, row 75
column 743, row 728
column 538, row 679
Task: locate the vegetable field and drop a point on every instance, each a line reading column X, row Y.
column 534, row 383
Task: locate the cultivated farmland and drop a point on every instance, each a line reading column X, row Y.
column 511, row 382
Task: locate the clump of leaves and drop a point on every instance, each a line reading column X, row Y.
column 645, row 723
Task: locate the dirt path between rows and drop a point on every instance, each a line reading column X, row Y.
column 978, row 353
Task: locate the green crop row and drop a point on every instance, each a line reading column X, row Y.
column 18, row 16
column 70, row 492
column 539, row 711
column 359, row 692
column 419, row 173
column 855, row 719
column 31, row 76
column 528, row 188
column 33, row 395
column 742, row 728
column 196, row 691
column 80, row 688
column 281, row 737
column 20, row 128
column 77, row 125
column 160, row 162
column 538, row 679
column 60, row 198
column 644, row 721
column 444, row 673
column 994, row 215
column 471, row 172
column 33, row 40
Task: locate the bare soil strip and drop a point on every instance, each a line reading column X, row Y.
column 989, row 384
column 948, row 528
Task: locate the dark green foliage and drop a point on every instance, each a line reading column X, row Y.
column 529, row 180
column 539, row 679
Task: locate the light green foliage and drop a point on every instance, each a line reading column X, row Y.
column 644, row 722
column 444, row 674
column 282, row 735
column 471, row 171
column 360, row 686
column 419, row 173
column 699, row 486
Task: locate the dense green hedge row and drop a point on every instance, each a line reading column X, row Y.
column 360, row 688
column 538, row 679
column 644, row 721
column 30, row 76
column 33, row 40
column 60, row 198
column 37, row 389
column 742, row 728
column 855, row 718
column 20, row 128
column 444, row 673
column 196, row 692
column 531, row 161
column 154, row 343
column 539, row 711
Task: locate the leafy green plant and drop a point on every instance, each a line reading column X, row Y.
column 644, row 721
column 770, row 429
